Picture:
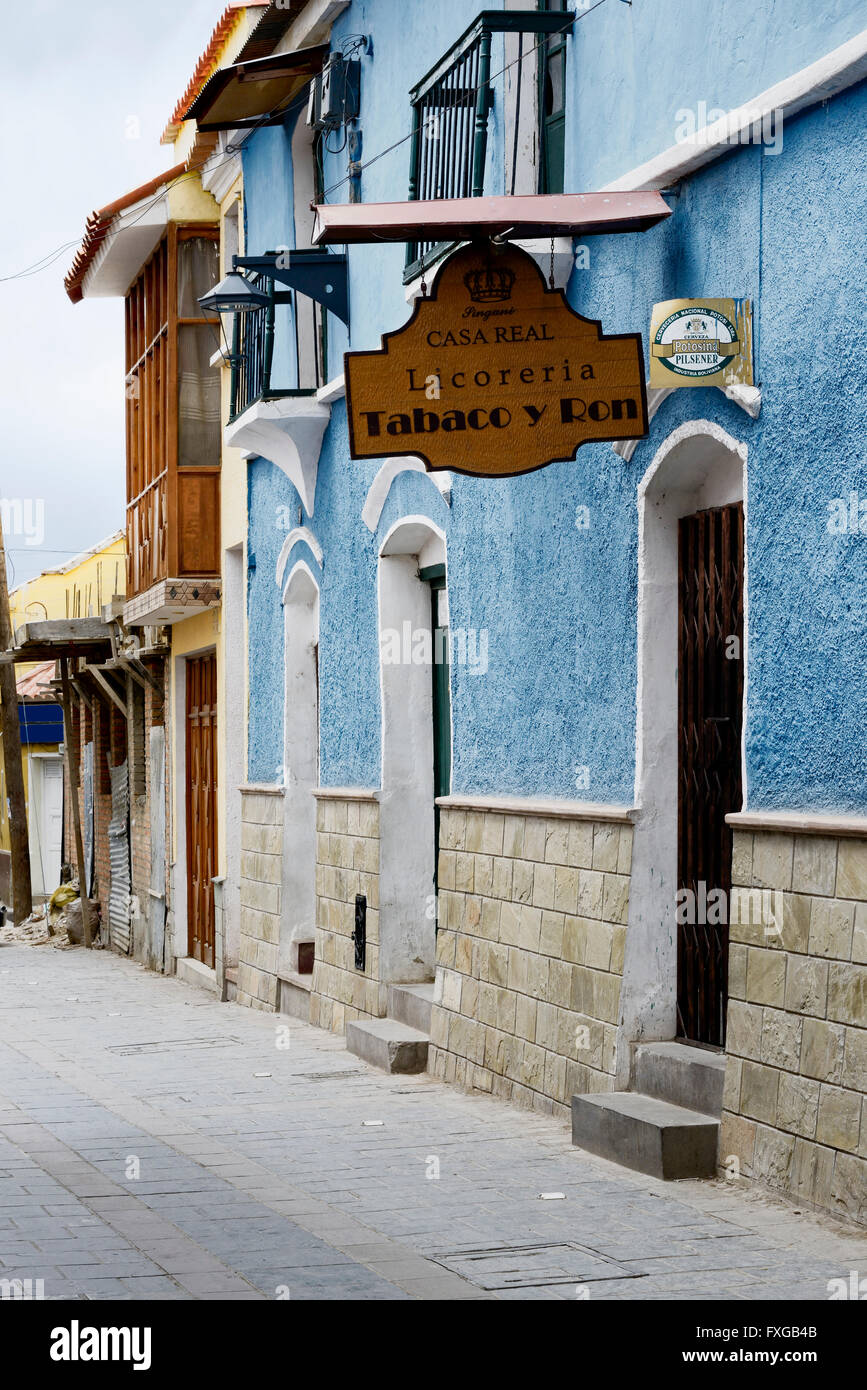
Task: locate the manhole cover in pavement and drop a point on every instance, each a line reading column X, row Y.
column 521, row 1266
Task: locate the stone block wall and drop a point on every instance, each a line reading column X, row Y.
column 532, row 932
column 261, row 880
column 794, row 1110
column 347, row 863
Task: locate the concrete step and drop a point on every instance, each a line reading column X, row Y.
column 193, row 972
column 682, row 1075
column 650, row 1135
column 385, row 1043
column 293, row 996
column 411, row 1004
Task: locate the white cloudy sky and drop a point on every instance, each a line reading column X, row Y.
column 72, row 73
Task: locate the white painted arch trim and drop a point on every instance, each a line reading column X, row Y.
column 381, row 486
column 691, row 429
column 300, row 533
column 749, row 398
column 300, row 568
column 410, row 534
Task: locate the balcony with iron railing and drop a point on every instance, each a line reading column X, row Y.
column 278, row 351
column 278, row 365
column 451, row 106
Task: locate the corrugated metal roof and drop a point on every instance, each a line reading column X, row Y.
column 99, row 226
column 209, row 61
column 118, row 858
column 250, row 93
column 270, row 29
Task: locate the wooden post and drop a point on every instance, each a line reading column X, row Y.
column 22, row 894
column 72, row 756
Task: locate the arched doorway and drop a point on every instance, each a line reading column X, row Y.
column 416, row 743
column 300, row 771
column 689, row 736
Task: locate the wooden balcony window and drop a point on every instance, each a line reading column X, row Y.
column 172, row 414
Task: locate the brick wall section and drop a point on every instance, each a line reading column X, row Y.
column 347, row 863
column 794, row 1111
column 261, row 877
column 530, row 950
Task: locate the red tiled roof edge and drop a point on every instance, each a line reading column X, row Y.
column 33, row 685
column 204, row 66
column 99, row 223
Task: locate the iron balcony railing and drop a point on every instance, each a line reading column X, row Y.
column 259, row 336
column 450, row 110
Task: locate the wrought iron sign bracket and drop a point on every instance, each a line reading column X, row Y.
column 320, row 275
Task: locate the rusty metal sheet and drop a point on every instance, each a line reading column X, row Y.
column 118, row 854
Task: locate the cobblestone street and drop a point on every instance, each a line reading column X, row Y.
column 157, row 1144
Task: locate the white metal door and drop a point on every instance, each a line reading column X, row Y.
column 47, row 777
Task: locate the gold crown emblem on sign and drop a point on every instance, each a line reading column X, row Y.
column 488, row 284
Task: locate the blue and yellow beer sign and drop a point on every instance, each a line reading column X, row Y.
column 701, row 342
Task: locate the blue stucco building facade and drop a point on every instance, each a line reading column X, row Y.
column 541, row 893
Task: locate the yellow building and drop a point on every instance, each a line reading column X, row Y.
column 161, row 247
column 80, row 588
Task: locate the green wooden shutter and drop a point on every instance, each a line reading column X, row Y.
column 552, row 104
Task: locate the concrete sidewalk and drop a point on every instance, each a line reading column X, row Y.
column 155, row 1143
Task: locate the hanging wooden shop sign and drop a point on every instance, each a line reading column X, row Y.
column 701, row 342
column 494, row 375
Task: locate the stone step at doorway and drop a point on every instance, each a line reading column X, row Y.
column 683, row 1075
column 398, row 1043
column 668, row 1124
column 412, row 1004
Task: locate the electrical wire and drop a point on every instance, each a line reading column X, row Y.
column 472, row 91
column 358, row 41
column 231, row 150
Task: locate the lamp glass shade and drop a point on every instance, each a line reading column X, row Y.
column 234, row 295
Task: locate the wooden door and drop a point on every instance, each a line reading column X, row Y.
column 710, row 701
column 201, row 805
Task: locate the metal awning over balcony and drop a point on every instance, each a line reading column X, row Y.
column 468, row 219
column 255, row 93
